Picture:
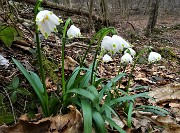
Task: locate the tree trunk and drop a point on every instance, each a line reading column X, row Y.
column 104, row 9
column 91, row 27
column 153, row 17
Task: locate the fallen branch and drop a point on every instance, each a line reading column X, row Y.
column 60, row 7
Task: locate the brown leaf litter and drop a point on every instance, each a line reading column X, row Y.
column 68, row 123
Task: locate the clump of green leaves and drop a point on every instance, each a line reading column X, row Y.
column 99, row 105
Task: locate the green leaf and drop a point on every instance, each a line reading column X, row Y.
column 37, row 81
column 23, row 91
column 85, row 80
column 7, row 119
column 108, row 86
column 119, row 100
column 98, row 81
column 111, row 122
column 7, row 36
column 153, row 109
column 107, row 107
column 72, row 78
column 87, row 116
column 14, row 97
column 74, row 100
column 31, row 114
column 94, row 91
column 54, row 105
column 140, row 88
column 125, row 93
column 84, row 93
column 15, row 82
column 129, row 120
column 127, row 98
column 32, row 80
column 99, row 123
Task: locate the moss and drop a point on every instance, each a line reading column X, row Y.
column 49, row 68
column 167, row 53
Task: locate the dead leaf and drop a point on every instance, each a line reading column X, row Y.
column 50, row 86
column 168, row 93
column 70, row 64
column 169, row 124
column 69, row 123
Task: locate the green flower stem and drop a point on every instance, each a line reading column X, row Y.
column 94, row 62
column 39, row 56
column 62, row 71
column 104, row 33
column 130, row 75
column 124, row 68
column 63, row 55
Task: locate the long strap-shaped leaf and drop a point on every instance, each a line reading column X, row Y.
column 114, row 124
column 99, row 123
column 87, row 116
column 37, row 86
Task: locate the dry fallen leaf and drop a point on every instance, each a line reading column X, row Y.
column 169, row 124
column 68, row 123
column 168, row 93
column 70, row 63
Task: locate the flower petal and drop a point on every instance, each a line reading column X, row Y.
column 126, row 58
column 107, row 58
column 153, row 57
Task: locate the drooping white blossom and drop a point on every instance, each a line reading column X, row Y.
column 4, row 62
column 73, row 31
column 117, row 41
column 126, row 58
column 130, row 51
column 106, row 43
column 114, row 44
column 47, row 22
column 123, row 42
column 110, row 44
column 153, row 57
column 107, row 58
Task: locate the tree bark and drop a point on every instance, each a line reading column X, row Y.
column 104, row 9
column 91, row 27
column 153, row 17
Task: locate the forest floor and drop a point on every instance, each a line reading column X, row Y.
column 162, row 79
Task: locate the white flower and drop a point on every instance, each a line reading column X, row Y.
column 47, row 22
column 114, row 44
column 111, row 44
column 107, row 58
column 4, row 61
column 153, row 57
column 106, row 43
column 124, row 43
column 130, row 51
column 126, row 58
column 73, row 31
column 117, row 41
